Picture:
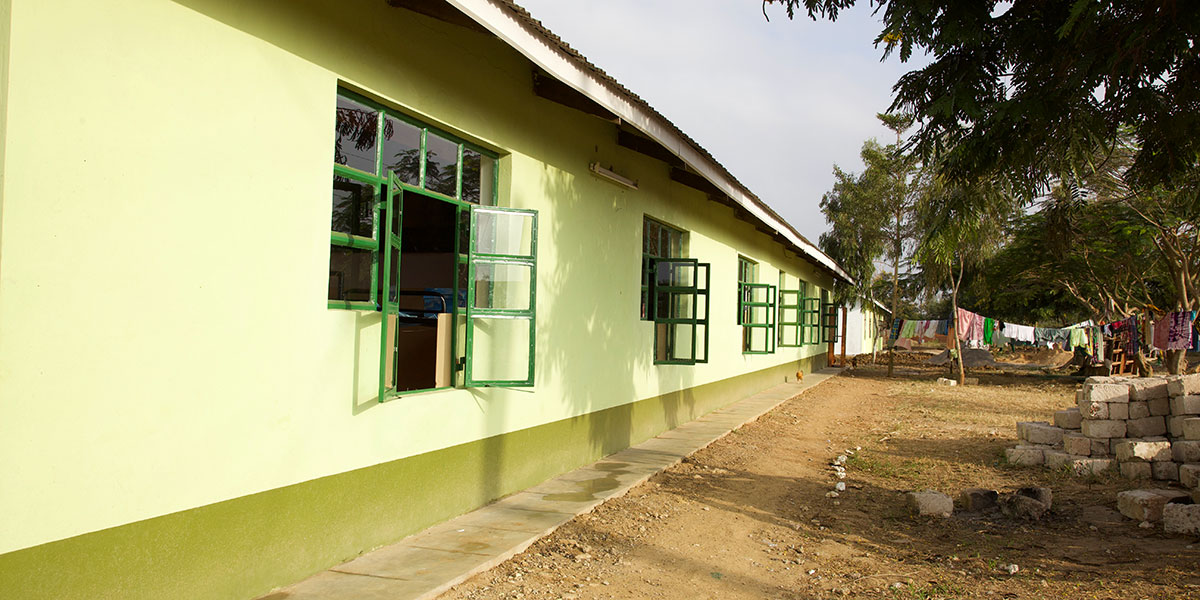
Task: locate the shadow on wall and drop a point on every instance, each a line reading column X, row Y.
column 593, row 342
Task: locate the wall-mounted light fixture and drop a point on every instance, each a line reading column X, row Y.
column 612, row 176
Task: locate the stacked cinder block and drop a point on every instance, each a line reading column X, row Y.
column 1146, row 427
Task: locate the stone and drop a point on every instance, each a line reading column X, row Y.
column 1143, row 451
column 1099, row 379
column 1185, row 405
column 976, row 499
column 1025, row 455
column 1101, row 447
column 1175, row 425
column 1056, row 459
column 1189, row 475
column 1017, row 506
column 1186, row 451
column 1139, row 410
column 1191, row 428
column 1147, row 388
column 1103, row 428
column 1159, row 407
column 1118, row 411
column 947, row 382
column 1078, row 444
column 1105, row 392
column 1184, row 385
column 1043, row 495
column 1036, row 432
column 1147, row 505
column 1165, row 470
column 1093, row 410
column 1145, row 427
column 1068, row 419
column 930, row 503
column 1136, row 470
column 1083, row 465
column 1179, row 517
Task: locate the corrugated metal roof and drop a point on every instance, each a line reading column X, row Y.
column 780, row 225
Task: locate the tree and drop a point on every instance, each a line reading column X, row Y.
column 963, row 226
column 870, row 216
column 1030, row 90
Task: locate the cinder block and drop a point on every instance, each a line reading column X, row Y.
column 1068, row 419
column 1147, row 388
column 1185, row 405
column 1189, row 475
column 1100, row 379
column 1103, row 428
column 1159, row 407
column 1184, row 385
column 1143, row 451
column 1136, row 470
column 1186, row 451
column 1118, row 411
column 1025, row 455
column 1083, row 465
column 1057, row 458
column 1145, row 427
column 1175, row 425
column 930, row 502
column 1036, row 432
column 1093, row 410
column 1181, row 518
column 1106, row 392
column 1146, row 505
column 1077, row 443
column 1191, row 427
column 1139, row 410
column 1165, row 470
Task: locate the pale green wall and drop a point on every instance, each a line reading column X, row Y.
column 164, row 341
column 5, row 21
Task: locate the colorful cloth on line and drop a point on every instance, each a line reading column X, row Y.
column 1162, row 330
column 970, row 326
column 1179, row 330
column 1079, row 338
column 943, row 327
column 896, row 324
column 1051, row 335
column 989, row 326
column 909, row 330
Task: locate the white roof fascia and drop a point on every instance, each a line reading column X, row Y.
column 549, row 57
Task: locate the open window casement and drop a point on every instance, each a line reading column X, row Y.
column 679, row 309
column 501, row 298
column 756, row 314
column 791, row 324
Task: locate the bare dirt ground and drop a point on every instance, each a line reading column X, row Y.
column 748, row 517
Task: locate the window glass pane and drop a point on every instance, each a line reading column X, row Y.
column 502, row 285
column 402, row 150
column 357, row 129
column 478, row 174
column 503, row 233
column 441, row 164
column 500, row 349
column 349, row 274
column 353, row 207
column 680, row 342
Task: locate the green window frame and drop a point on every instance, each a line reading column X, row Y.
column 757, row 304
column 810, row 318
column 659, row 241
column 791, row 324
column 679, row 293
column 370, row 126
column 829, row 320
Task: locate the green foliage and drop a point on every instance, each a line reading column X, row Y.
column 1030, row 90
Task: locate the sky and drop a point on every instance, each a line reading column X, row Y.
column 778, row 103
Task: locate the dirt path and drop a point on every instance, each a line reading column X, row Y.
column 748, row 517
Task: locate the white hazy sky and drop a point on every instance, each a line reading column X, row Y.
column 778, row 103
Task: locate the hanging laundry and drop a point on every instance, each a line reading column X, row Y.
column 1179, row 332
column 943, row 327
column 989, row 326
column 1078, row 339
column 1021, row 333
column 1162, row 332
column 909, row 329
column 896, row 324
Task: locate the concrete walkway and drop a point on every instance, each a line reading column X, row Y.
column 424, row 565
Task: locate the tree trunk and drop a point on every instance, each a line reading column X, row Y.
column 895, row 297
column 1175, row 361
column 962, row 375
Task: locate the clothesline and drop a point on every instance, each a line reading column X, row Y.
column 1172, row 332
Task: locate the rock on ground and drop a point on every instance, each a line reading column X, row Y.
column 930, row 502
